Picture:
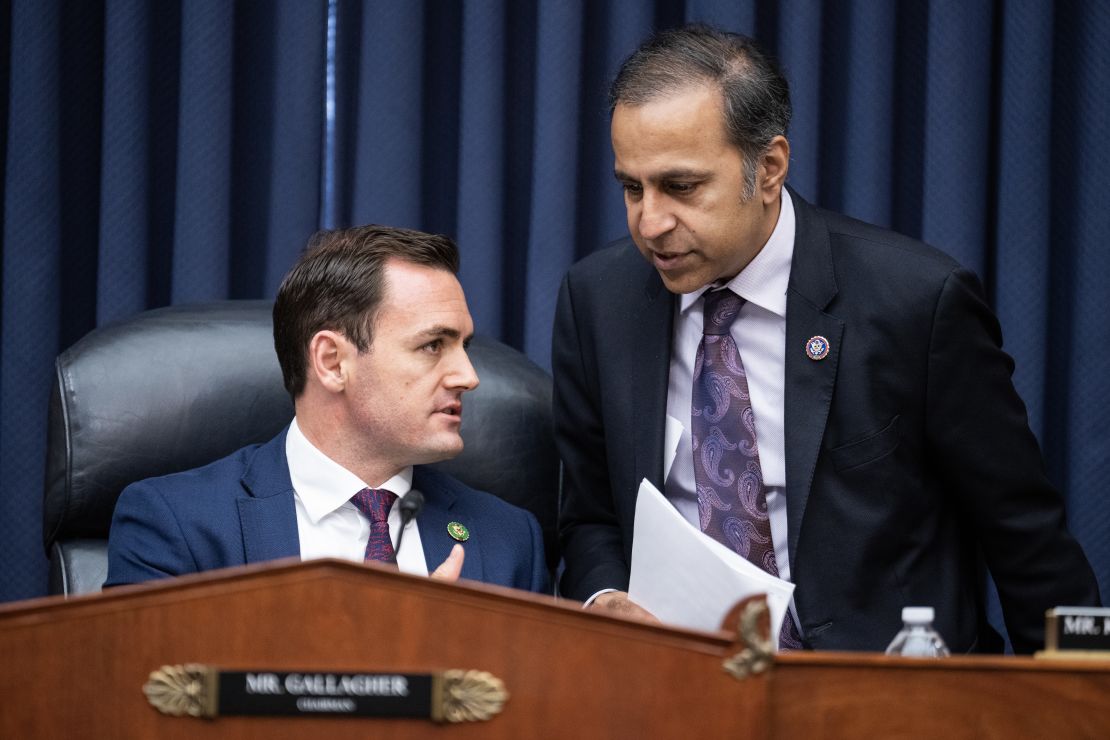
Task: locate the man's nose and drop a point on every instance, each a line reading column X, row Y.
column 463, row 376
column 656, row 218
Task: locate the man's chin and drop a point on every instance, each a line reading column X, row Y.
column 686, row 276
column 682, row 282
column 440, row 450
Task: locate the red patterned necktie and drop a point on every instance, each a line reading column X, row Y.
column 375, row 504
column 732, row 503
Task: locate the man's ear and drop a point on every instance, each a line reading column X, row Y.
column 773, row 166
column 327, row 354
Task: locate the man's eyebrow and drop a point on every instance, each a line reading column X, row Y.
column 678, row 173
column 434, row 332
column 448, row 332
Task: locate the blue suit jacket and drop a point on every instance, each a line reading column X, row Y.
column 241, row 510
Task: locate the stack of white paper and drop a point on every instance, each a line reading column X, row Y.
column 688, row 579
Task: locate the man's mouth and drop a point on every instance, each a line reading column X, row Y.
column 668, row 260
column 451, row 409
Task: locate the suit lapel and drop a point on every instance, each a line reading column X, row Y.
column 648, row 358
column 268, row 515
column 809, row 384
column 439, row 500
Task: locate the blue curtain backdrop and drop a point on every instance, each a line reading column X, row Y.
column 183, row 150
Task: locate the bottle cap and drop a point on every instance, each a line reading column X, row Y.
column 917, row 614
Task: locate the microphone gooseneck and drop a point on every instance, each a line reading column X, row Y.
column 410, row 506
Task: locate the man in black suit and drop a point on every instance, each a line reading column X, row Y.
column 890, row 458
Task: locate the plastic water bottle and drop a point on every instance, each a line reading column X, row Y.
column 917, row 638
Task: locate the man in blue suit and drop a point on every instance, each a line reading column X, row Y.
column 371, row 329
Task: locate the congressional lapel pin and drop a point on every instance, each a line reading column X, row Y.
column 458, row 532
column 817, row 348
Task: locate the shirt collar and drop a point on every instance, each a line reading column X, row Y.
column 322, row 484
column 765, row 279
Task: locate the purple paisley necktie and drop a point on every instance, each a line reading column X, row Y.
column 732, row 504
column 375, row 504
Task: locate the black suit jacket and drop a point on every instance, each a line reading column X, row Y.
column 909, row 459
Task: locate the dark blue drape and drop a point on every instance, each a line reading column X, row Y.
column 157, row 153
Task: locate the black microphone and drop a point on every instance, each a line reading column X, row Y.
column 411, row 504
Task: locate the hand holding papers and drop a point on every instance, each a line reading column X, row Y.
column 688, row 579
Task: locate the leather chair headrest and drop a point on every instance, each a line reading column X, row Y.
column 164, row 391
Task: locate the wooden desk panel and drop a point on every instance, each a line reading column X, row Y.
column 76, row 668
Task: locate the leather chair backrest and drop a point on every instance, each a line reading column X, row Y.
column 175, row 388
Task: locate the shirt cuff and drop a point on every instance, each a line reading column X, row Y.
column 587, row 602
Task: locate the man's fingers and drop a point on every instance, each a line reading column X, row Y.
column 452, row 566
column 618, row 603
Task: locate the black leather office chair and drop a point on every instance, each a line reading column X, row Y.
column 174, row 388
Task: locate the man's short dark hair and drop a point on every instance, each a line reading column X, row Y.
column 754, row 94
column 338, row 284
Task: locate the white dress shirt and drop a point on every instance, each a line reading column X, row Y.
column 760, row 335
column 328, row 524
